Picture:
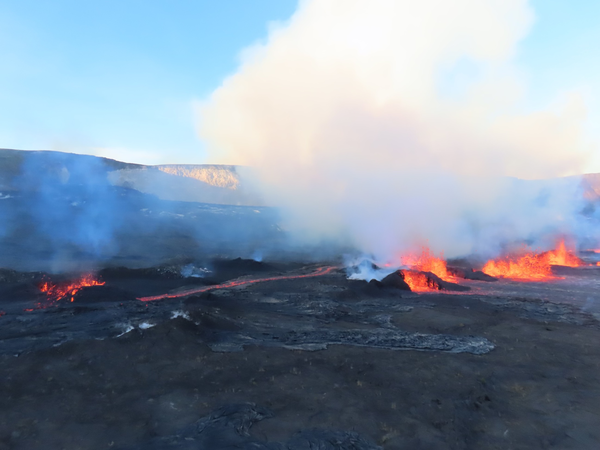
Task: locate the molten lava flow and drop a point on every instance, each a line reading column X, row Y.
column 424, row 262
column 419, row 282
column 531, row 265
column 234, row 283
column 56, row 292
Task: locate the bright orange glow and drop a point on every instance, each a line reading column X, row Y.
column 424, row 262
column 562, row 257
column 419, row 282
column 531, row 265
column 61, row 291
column 526, row 267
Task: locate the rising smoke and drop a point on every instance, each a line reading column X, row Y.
column 67, row 212
column 390, row 123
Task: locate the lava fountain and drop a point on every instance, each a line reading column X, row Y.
column 419, row 282
column 425, row 261
column 60, row 291
column 532, row 266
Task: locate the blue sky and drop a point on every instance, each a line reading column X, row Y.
column 560, row 54
column 119, row 74
column 119, row 77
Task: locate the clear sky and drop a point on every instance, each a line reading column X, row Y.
column 119, row 77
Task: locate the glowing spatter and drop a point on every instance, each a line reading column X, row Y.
column 532, row 266
column 235, row 283
column 60, row 291
column 425, row 261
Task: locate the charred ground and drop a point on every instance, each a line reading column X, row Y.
column 295, row 363
column 292, row 363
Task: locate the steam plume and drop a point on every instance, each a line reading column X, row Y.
column 390, row 122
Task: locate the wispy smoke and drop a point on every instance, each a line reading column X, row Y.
column 70, row 201
column 390, row 122
column 64, row 212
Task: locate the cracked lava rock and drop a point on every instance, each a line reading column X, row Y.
column 295, row 362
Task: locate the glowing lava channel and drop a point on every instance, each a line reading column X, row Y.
column 235, row 283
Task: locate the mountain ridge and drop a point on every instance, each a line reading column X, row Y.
column 204, row 183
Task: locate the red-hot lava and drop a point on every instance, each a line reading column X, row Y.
column 419, row 282
column 60, row 291
column 424, row 262
column 532, row 266
column 234, row 283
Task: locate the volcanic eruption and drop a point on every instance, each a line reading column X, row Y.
column 419, row 263
column 356, row 131
column 67, row 290
column 425, row 272
column 529, row 265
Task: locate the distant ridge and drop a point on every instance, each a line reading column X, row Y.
column 205, row 183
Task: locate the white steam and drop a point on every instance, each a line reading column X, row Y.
column 385, row 123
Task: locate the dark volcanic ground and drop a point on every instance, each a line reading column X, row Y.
column 321, row 362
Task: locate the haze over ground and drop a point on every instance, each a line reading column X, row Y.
column 381, row 123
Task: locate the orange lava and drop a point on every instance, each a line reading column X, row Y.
column 424, row 262
column 61, row 291
column 562, row 257
column 234, row 283
column 532, row 266
column 419, row 282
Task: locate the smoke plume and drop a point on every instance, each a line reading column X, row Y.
column 68, row 212
column 389, row 123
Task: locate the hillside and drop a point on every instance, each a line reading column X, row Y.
column 216, row 184
column 204, row 183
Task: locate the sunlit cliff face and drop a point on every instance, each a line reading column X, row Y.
column 388, row 122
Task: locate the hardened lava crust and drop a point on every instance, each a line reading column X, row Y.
column 235, row 353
